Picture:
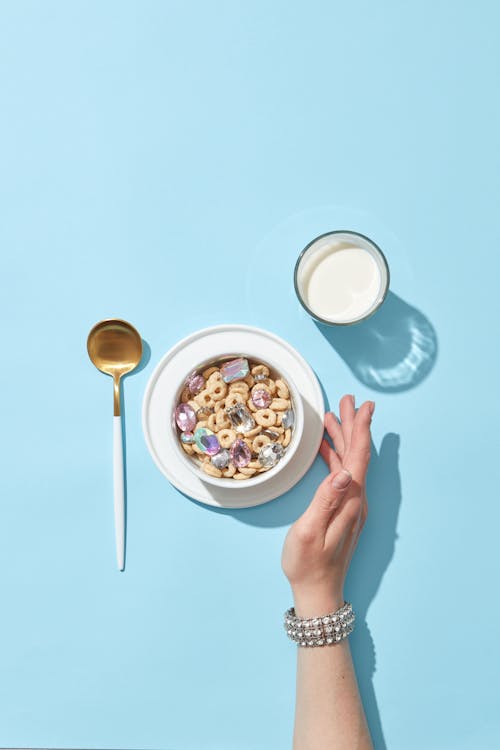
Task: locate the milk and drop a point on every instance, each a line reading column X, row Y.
column 342, row 277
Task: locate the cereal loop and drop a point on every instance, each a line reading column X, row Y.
column 260, row 370
column 234, row 398
column 265, row 417
column 212, row 423
column 259, row 441
column 287, row 438
column 226, row 437
column 217, row 390
column 209, row 371
column 230, row 471
column 210, row 469
column 279, row 404
column 282, row 388
column 204, row 399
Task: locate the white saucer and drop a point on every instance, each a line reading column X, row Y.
column 172, row 369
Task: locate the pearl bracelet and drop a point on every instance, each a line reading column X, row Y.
column 320, row 631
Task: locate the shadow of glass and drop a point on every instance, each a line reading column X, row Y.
column 392, row 351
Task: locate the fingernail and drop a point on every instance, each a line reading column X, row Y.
column 371, row 407
column 352, row 399
column 342, row 480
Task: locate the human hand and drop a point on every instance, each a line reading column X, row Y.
column 319, row 545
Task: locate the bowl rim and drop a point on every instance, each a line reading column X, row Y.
column 228, row 482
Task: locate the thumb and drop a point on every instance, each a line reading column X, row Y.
column 328, row 498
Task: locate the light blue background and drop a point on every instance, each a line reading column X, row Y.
column 165, row 163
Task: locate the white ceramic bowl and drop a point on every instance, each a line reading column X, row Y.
column 297, row 430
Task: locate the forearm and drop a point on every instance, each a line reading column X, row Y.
column 329, row 714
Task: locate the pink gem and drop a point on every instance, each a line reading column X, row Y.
column 261, row 398
column 195, row 382
column 185, row 417
column 240, row 454
column 235, row 369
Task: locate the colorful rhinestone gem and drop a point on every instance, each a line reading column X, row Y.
column 261, row 398
column 240, row 418
column 270, row 454
column 235, row 369
column 187, row 437
column 195, row 382
column 185, row 417
column 288, row 419
column 221, row 459
column 260, row 376
column 271, row 434
column 207, row 441
column 240, row 453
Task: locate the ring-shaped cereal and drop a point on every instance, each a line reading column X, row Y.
column 217, row 390
column 239, row 475
column 249, row 380
column 259, row 442
column 287, row 437
column 279, row 404
column 265, row 417
column 204, row 399
column 253, row 432
column 226, row 437
column 214, row 377
column 247, row 471
column 212, row 423
column 222, row 420
column 210, row 469
column 282, row 388
column 234, row 398
column 260, row 370
column 230, row 471
column 239, row 387
column 209, row 371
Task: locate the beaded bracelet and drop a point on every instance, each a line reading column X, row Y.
column 320, row 631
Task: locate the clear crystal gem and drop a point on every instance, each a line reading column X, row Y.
column 260, row 376
column 220, row 461
column 326, row 620
column 185, row 417
column 240, row 418
column 207, row 441
column 240, row 453
column 288, row 418
column 235, row 369
column 271, row 434
column 270, row 454
column 329, row 640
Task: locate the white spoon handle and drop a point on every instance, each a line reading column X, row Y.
column 119, row 491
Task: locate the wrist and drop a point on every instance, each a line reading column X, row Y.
column 309, row 602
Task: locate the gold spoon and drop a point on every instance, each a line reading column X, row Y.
column 115, row 348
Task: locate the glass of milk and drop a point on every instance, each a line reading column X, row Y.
column 341, row 278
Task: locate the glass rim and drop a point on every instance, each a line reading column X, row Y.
column 304, row 304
